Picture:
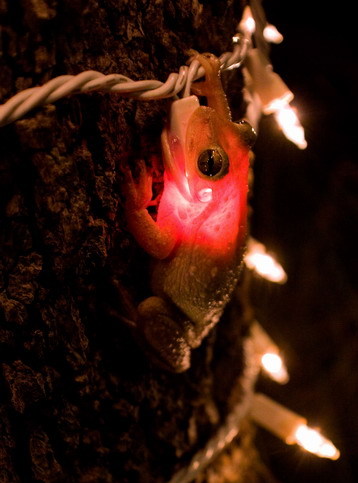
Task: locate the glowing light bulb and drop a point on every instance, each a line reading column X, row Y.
column 270, row 358
column 247, row 23
column 273, row 364
column 265, row 265
column 274, row 95
column 311, row 440
column 288, row 121
column 272, row 35
column 290, row 427
column 250, row 25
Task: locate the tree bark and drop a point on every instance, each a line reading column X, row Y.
column 80, row 402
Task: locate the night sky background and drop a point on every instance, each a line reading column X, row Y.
column 306, row 211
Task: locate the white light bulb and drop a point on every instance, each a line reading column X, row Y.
column 247, row 23
column 311, row 440
column 270, row 358
column 288, row 121
column 290, row 427
column 264, row 264
column 273, row 364
column 271, row 34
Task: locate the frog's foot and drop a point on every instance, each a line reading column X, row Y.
column 138, row 193
column 211, row 87
column 156, row 240
column 211, row 65
column 162, row 335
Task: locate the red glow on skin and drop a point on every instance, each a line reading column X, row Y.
column 218, row 225
column 214, row 225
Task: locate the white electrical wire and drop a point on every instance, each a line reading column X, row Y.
column 231, row 428
column 23, row 102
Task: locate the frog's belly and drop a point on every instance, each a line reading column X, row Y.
column 199, row 283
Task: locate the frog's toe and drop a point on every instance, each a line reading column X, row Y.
column 163, row 336
column 168, row 348
column 137, row 192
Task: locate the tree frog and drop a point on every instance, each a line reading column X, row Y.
column 198, row 238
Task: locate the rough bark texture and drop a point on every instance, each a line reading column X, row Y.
column 79, row 400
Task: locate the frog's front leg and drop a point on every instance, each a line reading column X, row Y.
column 155, row 240
column 155, row 319
column 163, row 336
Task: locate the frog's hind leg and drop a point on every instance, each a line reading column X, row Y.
column 162, row 335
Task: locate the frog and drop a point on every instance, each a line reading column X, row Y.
column 197, row 241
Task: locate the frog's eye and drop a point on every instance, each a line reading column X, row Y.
column 248, row 133
column 213, row 162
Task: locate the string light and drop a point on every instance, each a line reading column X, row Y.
column 290, row 427
column 287, row 120
column 258, row 74
column 274, row 95
column 311, row 440
column 271, row 34
column 265, row 265
column 247, row 23
column 232, row 425
column 261, row 79
column 269, row 354
column 273, row 364
column 88, row 81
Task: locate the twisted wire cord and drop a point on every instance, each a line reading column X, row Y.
column 89, row 81
column 231, row 428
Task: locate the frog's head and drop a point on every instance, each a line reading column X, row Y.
column 205, row 153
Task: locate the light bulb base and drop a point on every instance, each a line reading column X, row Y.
column 261, row 78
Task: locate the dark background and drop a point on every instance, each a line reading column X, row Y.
column 306, row 211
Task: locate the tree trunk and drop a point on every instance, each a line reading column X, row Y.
column 80, row 402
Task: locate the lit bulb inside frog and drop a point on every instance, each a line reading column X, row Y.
column 198, row 238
